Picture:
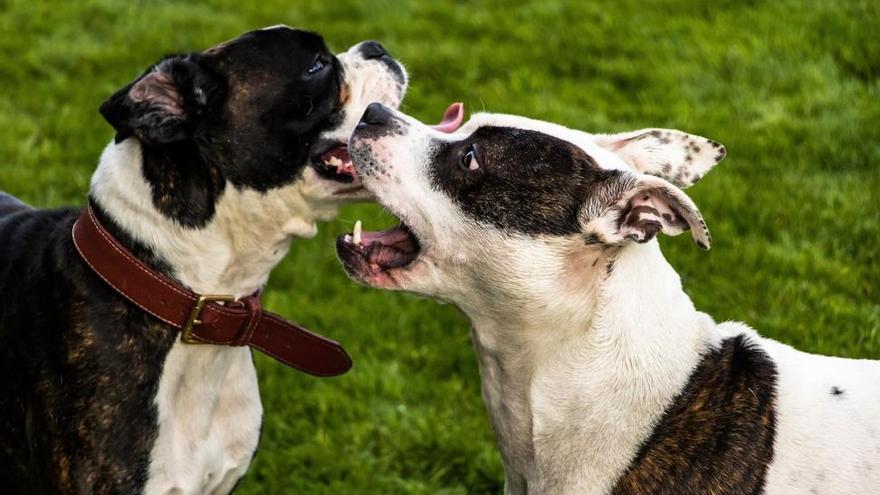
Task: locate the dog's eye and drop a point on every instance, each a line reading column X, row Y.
column 469, row 160
column 317, row 66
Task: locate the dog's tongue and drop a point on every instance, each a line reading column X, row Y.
column 452, row 119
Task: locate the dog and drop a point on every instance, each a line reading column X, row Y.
column 220, row 159
column 597, row 372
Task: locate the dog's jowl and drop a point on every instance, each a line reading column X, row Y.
column 219, row 159
column 598, row 373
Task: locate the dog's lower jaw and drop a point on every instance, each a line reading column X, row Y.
column 542, row 380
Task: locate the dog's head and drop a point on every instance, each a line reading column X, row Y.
column 505, row 201
column 269, row 112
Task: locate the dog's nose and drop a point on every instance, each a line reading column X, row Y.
column 372, row 49
column 377, row 114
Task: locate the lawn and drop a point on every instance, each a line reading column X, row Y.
column 791, row 88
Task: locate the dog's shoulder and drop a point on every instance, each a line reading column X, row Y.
column 718, row 432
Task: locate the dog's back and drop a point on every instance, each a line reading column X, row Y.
column 28, row 288
column 827, row 423
column 63, row 334
column 10, row 204
column 19, row 224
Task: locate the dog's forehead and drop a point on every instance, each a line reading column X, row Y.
column 585, row 141
column 272, row 38
column 267, row 68
column 516, row 150
column 278, row 49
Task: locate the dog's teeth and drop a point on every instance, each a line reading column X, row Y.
column 356, row 235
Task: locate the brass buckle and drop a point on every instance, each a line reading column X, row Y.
column 186, row 335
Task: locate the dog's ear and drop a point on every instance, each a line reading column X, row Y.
column 163, row 105
column 637, row 207
column 678, row 157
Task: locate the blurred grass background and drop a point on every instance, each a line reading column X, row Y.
column 790, row 87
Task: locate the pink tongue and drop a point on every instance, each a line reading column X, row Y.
column 452, row 119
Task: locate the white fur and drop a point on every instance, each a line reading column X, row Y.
column 208, row 401
column 368, row 81
column 825, row 444
column 674, row 155
column 577, row 364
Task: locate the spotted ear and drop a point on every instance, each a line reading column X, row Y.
column 678, row 157
column 164, row 104
column 642, row 207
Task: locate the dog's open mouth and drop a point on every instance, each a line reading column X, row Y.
column 332, row 162
column 372, row 255
column 377, row 257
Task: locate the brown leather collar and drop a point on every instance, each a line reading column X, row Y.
column 201, row 319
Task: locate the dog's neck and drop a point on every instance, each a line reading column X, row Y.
column 234, row 253
column 573, row 383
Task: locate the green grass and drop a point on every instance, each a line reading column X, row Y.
column 790, row 87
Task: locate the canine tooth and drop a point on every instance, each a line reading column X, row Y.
column 356, row 235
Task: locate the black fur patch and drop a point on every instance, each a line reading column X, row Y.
column 184, row 187
column 527, row 181
column 248, row 111
column 717, row 435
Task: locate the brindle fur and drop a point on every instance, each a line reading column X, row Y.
column 67, row 342
column 717, row 435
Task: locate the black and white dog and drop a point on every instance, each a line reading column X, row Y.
column 598, row 373
column 220, row 159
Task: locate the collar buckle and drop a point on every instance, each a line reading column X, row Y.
column 186, row 334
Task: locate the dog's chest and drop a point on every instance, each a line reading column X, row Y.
column 209, row 415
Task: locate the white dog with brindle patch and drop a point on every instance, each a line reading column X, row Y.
column 598, row 373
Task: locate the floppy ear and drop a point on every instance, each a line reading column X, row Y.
column 678, row 157
column 643, row 206
column 164, row 104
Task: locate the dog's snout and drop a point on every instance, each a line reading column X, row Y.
column 377, row 114
column 378, row 121
column 372, row 49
